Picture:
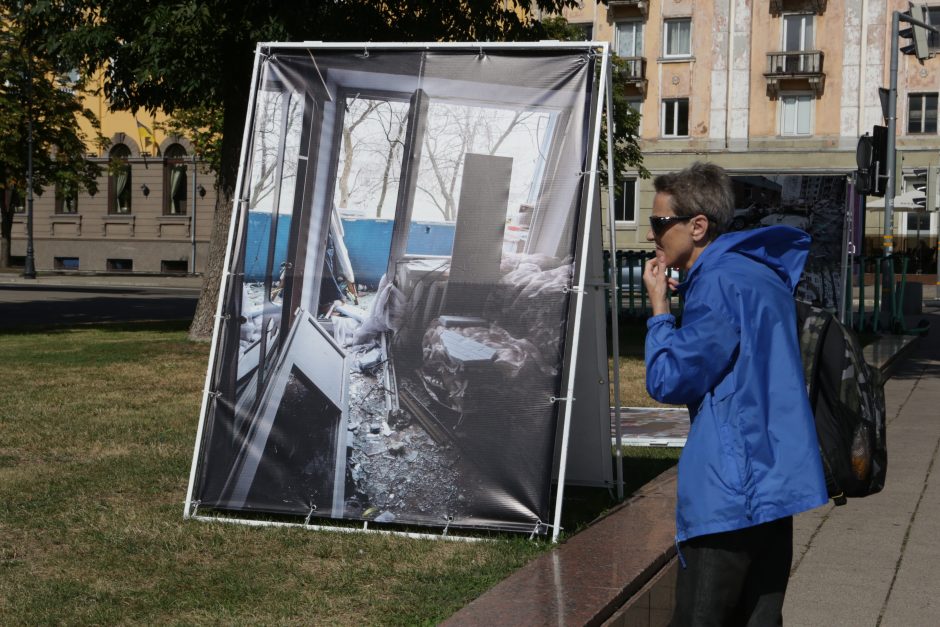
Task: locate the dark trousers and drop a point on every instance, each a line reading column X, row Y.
column 735, row 578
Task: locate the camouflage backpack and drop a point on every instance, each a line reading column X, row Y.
column 847, row 397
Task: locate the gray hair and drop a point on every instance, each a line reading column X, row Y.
column 701, row 188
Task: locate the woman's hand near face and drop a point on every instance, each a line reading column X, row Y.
column 658, row 285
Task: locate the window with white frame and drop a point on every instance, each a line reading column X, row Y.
column 629, row 38
column 677, row 37
column 798, row 36
column 635, row 104
column 675, row 117
column 625, row 206
column 921, row 113
column 796, row 114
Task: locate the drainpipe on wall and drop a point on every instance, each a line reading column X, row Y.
column 862, row 61
column 730, row 70
column 192, row 224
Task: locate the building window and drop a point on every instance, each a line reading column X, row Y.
column 120, row 265
column 66, row 200
column 675, row 120
column 933, row 39
column 119, row 180
column 921, row 113
column 677, row 38
column 65, row 263
column 174, row 266
column 174, row 181
column 625, row 206
column 635, row 104
column 629, row 39
column 798, row 37
column 796, row 115
column 587, row 28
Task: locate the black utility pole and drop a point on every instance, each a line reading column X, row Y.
column 29, row 266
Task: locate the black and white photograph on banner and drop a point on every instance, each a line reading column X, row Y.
column 813, row 203
column 393, row 337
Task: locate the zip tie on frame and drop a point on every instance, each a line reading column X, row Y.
column 449, row 519
column 539, row 525
column 313, row 508
column 557, row 399
column 583, row 172
column 195, row 508
column 214, row 394
column 535, row 530
column 572, row 288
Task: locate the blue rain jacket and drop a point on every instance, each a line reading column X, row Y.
column 752, row 455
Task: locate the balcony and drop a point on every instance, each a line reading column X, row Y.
column 641, row 5
column 632, row 73
column 779, row 6
column 799, row 68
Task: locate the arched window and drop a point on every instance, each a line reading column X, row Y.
column 174, row 181
column 119, row 180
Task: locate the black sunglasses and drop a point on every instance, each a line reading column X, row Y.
column 660, row 224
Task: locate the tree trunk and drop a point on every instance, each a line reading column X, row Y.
column 6, row 228
column 204, row 318
column 233, row 123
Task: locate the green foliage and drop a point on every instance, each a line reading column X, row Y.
column 626, row 120
column 197, row 55
column 202, row 125
column 38, row 88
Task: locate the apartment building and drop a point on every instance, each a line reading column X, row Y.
column 767, row 87
column 152, row 213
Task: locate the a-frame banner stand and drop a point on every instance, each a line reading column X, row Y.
column 397, row 335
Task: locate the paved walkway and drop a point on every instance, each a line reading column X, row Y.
column 876, row 561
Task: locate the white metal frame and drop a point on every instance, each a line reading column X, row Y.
column 226, row 269
column 603, row 95
column 569, row 399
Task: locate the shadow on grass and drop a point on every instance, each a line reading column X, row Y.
column 158, row 326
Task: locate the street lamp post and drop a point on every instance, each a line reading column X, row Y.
column 29, row 265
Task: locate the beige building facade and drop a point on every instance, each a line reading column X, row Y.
column 152, row 213
column 768, row 87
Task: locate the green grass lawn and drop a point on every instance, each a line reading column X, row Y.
column 96, row 439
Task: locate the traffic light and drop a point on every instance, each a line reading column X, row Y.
column 879, row 157
column 917, row 34
column 926, row 183
column 871, row 157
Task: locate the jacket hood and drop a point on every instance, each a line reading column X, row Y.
column 781, row 248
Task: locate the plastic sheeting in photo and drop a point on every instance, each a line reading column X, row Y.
column 398, row 308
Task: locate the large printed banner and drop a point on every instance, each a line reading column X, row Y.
column 814, row 203
column 394, row 322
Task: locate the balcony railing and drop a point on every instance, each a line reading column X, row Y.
column 779, row 6
column 642, row 5
column 795, row 65
column 632, row 73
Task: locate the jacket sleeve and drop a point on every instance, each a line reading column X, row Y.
column 683, row 364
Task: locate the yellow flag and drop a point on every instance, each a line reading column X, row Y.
column 148, row 143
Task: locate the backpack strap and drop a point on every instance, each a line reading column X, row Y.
column 812, row 325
